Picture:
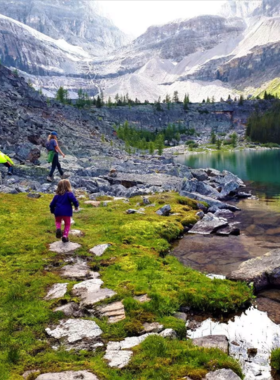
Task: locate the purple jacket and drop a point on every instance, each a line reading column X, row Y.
column 61, row 205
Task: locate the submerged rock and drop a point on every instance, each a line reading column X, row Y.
column 262, row 271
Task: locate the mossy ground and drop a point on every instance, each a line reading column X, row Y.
column 136, row 263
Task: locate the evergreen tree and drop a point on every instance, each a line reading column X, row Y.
column 99, row 102
column 62, row 95
column 218, row 144
column 241, row 100
column 151, row 147
column 213, row 99
column 208, row 99
column 175, row 97
column 234, row 139
column 213, row 138
column 186, row 102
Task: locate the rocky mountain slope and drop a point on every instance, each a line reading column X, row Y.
column 203, row 56
column 76, row 22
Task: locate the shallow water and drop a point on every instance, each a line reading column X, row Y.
column 259, row 222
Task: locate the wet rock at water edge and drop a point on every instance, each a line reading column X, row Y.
column 67, row 375
column 208, row 224
column 263, row 271
column 222, row 374
column 213, row 341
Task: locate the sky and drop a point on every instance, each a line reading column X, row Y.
column 135, row 16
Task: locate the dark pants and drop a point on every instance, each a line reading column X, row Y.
column 9, row 166
column 55, row 164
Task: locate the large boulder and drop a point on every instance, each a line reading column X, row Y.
column 208, row 224
column 263, row 271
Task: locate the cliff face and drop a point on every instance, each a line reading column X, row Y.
column 58, row 43
column 74, row 21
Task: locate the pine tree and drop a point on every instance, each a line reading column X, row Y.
column 219, row 144
column 98, row 102
column 186, row 102
column 175, row 97
column 241, row 100
column 62, row 95
column 213, row 138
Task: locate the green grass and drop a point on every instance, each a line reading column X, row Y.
column 272, row 88
column 136, row 263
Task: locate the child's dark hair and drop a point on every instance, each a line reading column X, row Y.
column 63, row 187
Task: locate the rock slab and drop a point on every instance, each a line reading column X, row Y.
column 208, row 224
column 262, row 271
column 99, row 250
column 68, row 375
column 222, row 374
column 74, row 330
column 56, row 291
column 60, row 247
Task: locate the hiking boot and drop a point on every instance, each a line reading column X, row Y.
column 58, row 233
column 64, row 176
column 49, row 179
column 65, row 239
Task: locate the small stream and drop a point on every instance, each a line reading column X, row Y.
column 259, row 222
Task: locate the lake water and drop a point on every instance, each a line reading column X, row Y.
column 259, row 326
column 259, row 219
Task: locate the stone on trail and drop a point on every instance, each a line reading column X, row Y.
column 56, row 291
column 98, row 250
column 76, row 233
column 74, row 330
column 68, row 375
column 208, row 224
column 114, row 311
column 78, row 271
column 60, row 247
column 262, row 271
column 93, row 203
column 222, row 374
column 91, row 293
column 213, row 341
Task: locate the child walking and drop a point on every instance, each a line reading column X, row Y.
column 61, row 207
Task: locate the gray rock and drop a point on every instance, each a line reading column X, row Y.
column 181, row 316
column 91, row 293
column 222, row 374
column 210, row 201
column 76, row 233
column 227, row 214
column 56, row 291
column 60, row 247
column 146, row 201
column 200, row 214
column 208, row 224
column 33, row 195
column 152, row 327
column 74, row 330
column 131, row 211
column 99, row 250
column 70, row 310
column 213, row 341
column 164, row 211
column 78, row 271
column 262, row 271
column 200, row 174
column 228, row 188
column 118, row 358
column 169, row 333
column 67, row 375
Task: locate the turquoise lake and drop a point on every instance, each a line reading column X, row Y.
column 259, row 220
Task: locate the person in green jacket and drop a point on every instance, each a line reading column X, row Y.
column 6, row 161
